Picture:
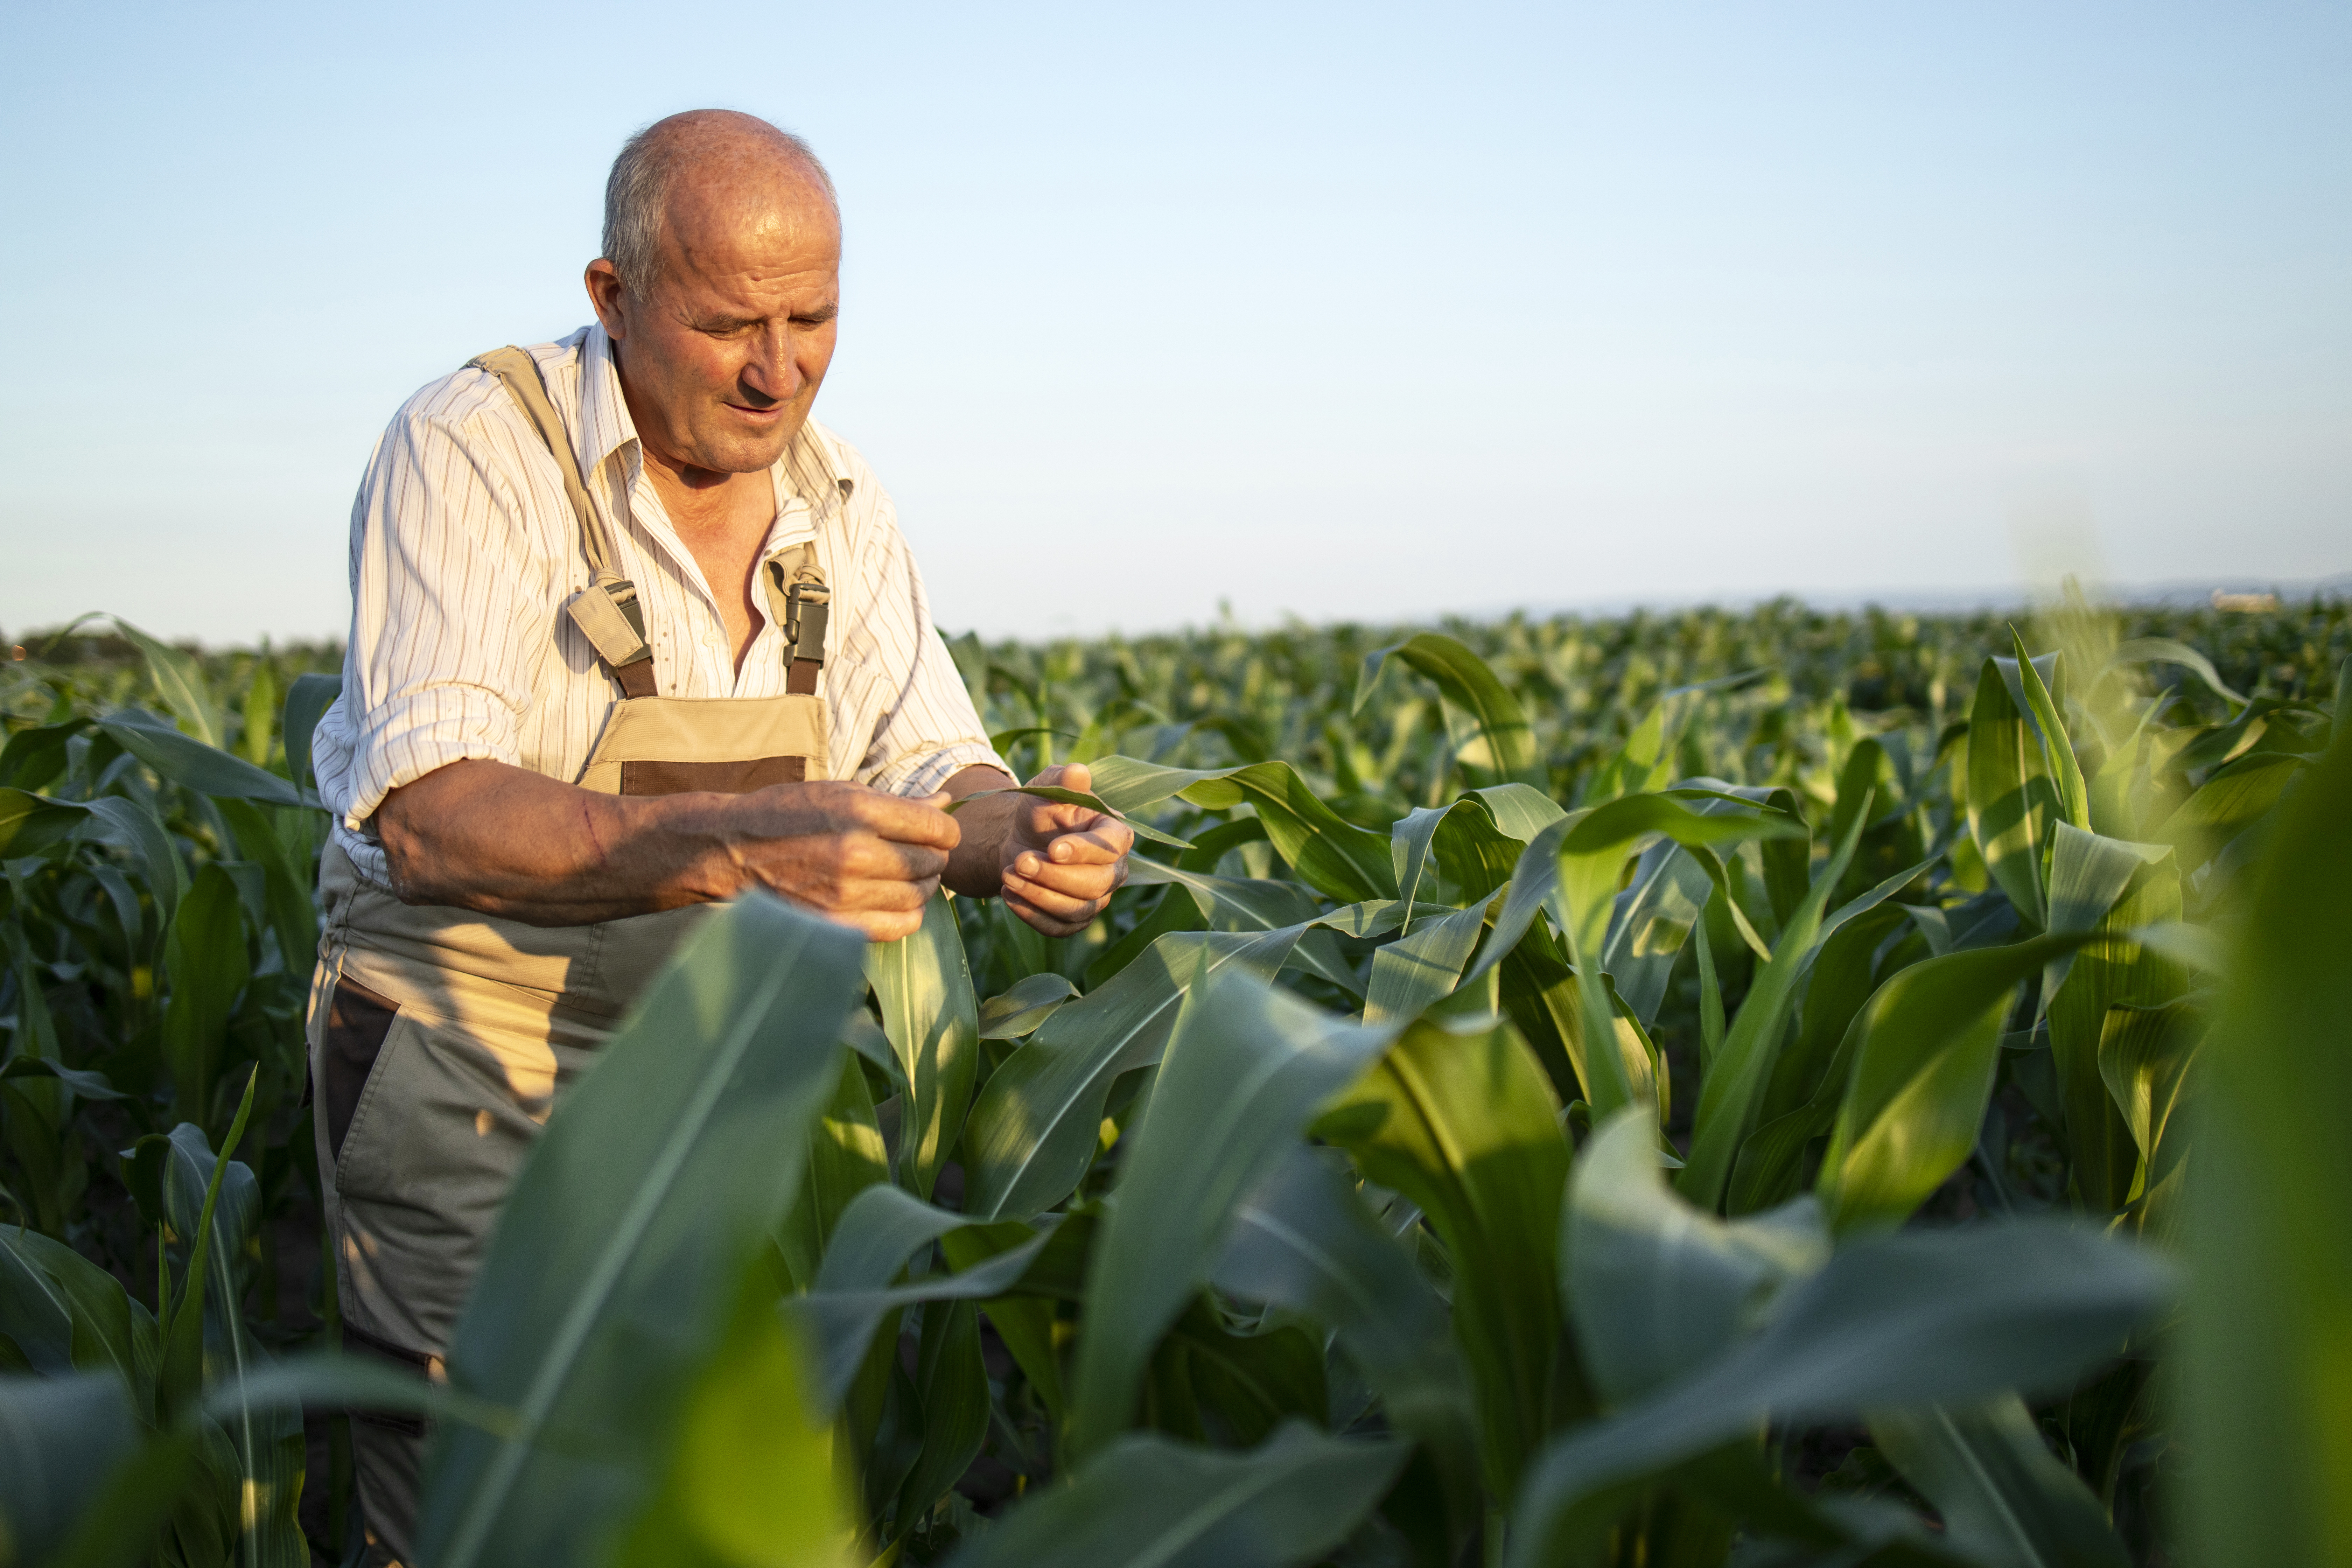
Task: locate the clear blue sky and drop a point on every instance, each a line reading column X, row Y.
column 1335, row 312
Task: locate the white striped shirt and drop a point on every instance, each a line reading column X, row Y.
column 464, row 549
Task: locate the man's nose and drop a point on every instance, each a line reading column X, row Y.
column 772, row 371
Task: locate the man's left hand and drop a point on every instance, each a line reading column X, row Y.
column 1062, row 863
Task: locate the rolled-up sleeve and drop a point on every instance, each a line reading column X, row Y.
column 444, row 617
column 922, row 725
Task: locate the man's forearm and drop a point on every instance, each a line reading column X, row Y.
column 509, row 842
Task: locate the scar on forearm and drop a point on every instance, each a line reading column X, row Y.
column 588, row 822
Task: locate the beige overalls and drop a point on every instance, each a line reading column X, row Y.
column 439, row 1037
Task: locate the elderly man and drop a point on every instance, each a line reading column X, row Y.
column 631, row 634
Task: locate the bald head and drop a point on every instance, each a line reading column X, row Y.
column 703, row 168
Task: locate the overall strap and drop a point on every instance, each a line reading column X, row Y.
column 607, row 611
column 801, row 604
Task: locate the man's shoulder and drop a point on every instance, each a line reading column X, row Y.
column 469, row 394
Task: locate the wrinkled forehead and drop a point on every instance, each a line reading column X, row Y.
column 743, row 205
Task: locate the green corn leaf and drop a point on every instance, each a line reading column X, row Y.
column 1304, row 1242
column 1466, row 1129
column 1656, row 1287
column 1024, row 1322
column 1061, row 796
column 951, row 1386
column 750, row 1475
column 1412, row 972
column 1923, row 1051
column 845, row 1156
column 1026, row 1005
column 1519, row 811
column 1033, row 1130
column 2226, row 804
column 180, row 682
column 1150, row 1502
column 2057, row 751
column 2145, row 1059
column 306, row 701
column 1504, row 750
column 882, row 1230
column 1331, row 855
column 30, row 824
column 1247, row 1067
column 923, row 986
column 205, row 960
column 1843, row 973
column 2271, row 1224
column 1654, row 918
column 196, row 765
column 34, row 1314
column 211, row 1268
column 60, row 1439
column 1742, row 1069
column 2107, row 890
column 2012, row 799
column 110, row 1332
column 288, row 881
column 1894, row 1321
column 2004, row 1496
column 651, row 1185
column 1244, row 904
column 2164, row 650
column 88, row 1085
column 1593, row 852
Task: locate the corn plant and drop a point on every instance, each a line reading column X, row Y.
column 1558, row 1116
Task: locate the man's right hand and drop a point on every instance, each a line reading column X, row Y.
column 852, row 854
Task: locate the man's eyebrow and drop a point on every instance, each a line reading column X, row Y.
column 825, row 312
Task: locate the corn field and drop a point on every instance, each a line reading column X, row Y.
column 1769, row 1089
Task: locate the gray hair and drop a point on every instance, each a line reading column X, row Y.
column 636, row 193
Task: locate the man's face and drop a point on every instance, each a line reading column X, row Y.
column 722, row 356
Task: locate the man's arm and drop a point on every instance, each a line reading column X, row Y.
column 484, row 835
column 1056, row 866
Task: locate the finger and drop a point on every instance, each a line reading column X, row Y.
column 1105, row 842
column 1052, row 900
column 907, row 821
column 1070, row 851
column 1095, row 884
column 1041, row 921
column 864, row 858
column 1050, row 820
column 885, row 927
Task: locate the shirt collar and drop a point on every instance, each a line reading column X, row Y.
column 604, row 424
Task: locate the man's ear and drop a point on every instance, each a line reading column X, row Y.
column 607, row 298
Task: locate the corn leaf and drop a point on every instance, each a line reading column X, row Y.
column 923, row 986
column 1923, row 1051
column 1894, row 1321
column 1656, row 1287
column 2003, row 1496
column 1504, row 750
column 2013, row 801
column 1465, row 1128
column 1033, row 1130
column 650, row 1186
column 1331, row 855
column 2271, row 1223
column 1247, row 1067
column 1149, row 1502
